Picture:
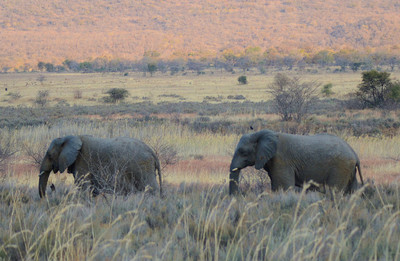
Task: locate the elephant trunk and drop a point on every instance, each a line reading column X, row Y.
column 43, row 177
column 233, row 181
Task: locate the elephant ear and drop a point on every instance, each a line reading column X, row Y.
column 69, row 152
column 266, row 146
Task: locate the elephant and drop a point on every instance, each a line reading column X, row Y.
column 292, row 160
column 116, row 165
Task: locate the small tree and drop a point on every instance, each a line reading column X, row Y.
column 42, row 98
column 41, row 79
column 375, row 88
column 116, row 95
column 49, row 67
column 6, row 152
column 41, row 66
column 151, row 67
column 86, row 67
column 242, row 79
column 292, row 98
column 327, row 89
column 394, row 93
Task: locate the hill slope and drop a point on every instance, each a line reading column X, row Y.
column 33, row 30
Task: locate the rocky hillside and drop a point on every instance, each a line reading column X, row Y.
column 41, row 30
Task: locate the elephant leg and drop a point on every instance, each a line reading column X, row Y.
column 353, row 184
column 339, row 178
column 152, row 182
column 282, row 178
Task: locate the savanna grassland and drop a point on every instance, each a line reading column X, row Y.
column 193, row 122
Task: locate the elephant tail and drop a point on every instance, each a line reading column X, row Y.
column 158, row 168
column 359, row 171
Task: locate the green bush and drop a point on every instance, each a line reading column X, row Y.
column 116, row 95
column 377, row 88
column 327, row 89
column 242, row 79
column 394, row 93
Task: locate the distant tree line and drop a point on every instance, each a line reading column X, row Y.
column 252, row 58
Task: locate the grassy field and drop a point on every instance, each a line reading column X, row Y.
column 159, row 88
column 196, row 219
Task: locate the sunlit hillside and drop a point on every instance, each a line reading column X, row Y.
column 34, row 30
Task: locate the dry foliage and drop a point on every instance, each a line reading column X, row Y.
column 201, row 223
column 34, row 31
column 292, row 98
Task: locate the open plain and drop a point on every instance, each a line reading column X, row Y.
column 193, row 122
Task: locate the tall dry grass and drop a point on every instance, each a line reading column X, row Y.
column 196, row 220
column 200, row 223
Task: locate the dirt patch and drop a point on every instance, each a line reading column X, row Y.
column 205, row 165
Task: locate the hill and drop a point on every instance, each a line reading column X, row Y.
column 40, row 30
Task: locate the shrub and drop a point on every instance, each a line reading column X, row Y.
column 116, row 95
column 152, row 68
column 14, row 96
column 394, row 93
column 6, row 151
column 42, row 98
column 242, row 79
column 376, row 88
column 41, row 78
column 77, row 94
column 236, row 97
column 292, row 99
column 327, row 89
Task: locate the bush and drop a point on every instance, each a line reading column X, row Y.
column 292, row 99
column 394, row 93
column 6, row 151
column 116, row 95
column 236, row 97
column 42, row 98
column 377, row 88
column 327, row 90
column 242, row 79
column 14, row 96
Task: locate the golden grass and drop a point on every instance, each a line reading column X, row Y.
column 201, row 223
column 196, row 220
column 188, row 87
column 203, row 157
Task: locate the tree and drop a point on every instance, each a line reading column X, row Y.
column 375, row 88
column 42, row 98
column 41, row 66
column 86, row 67
column 196, row 66
column 323, row 58
column 49, row 67
column 71, row 65
column 242, row 79
column 151, row 67
column 244, row 63
column 356, row 66
column 394, row 93
column 115, row 95
column 6, row 151
column 291, row 98
column 41, row 79
column 327, row 89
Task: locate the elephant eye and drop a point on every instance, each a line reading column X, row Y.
column 242, row 152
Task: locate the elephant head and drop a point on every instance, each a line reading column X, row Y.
column 253, row 149
column 60, row 155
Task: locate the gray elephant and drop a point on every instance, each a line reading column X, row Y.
column 118, row 165
column 292, row 160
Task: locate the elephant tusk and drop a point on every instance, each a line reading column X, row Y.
column 41, row 173
column 235, row 169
